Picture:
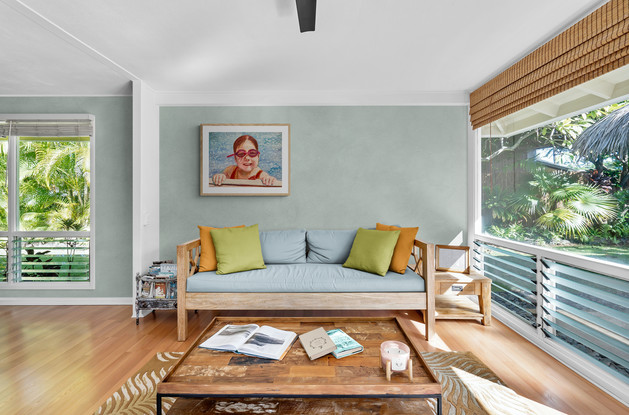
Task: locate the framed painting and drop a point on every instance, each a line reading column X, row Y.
column 245, row 159
column 452, row 258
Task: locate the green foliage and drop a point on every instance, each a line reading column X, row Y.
column 498, row 204
column 4, row 190
column 557, row 206
column 54, row 185
column 551, row 202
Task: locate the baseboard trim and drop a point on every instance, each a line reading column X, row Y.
column 66, row 300
column 589, row 371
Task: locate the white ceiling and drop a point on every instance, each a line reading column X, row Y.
column 89, row 47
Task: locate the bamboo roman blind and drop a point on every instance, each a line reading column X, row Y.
column 592, row 47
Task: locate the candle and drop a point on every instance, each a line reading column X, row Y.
column 395, row 352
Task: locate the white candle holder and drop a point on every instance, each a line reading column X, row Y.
column 395, row 357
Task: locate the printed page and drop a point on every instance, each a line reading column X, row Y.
column 268, row 342
column 230, row 337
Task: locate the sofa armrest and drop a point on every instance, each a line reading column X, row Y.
column 424, row 255
column 188, row 255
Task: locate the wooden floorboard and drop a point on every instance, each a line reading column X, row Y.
column 69, row 359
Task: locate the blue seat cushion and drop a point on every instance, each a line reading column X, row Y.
column 283, row 247
column 329, row 246
column 304, row 278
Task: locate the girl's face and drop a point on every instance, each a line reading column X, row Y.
column 247, row 163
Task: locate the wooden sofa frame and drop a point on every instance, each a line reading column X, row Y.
column 188, row 255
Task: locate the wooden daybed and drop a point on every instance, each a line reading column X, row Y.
column 188, row 255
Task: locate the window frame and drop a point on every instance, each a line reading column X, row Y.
column 12, row 214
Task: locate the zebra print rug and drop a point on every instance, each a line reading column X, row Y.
column 469, row 388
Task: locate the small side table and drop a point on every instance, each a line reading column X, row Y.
column 451, row 289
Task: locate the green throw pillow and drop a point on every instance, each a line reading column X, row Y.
column 372, row 251
column 237, row 249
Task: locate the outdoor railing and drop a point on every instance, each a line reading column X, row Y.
column 513, row 278
column 587, row 312
column 580, row 310
column 51, row 259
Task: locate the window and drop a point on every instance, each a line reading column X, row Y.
column 46, row 231
column 555, row 186
column 552, row 231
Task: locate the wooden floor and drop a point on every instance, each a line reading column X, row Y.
column 69, row 359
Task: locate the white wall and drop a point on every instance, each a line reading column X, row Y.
column 145, row 178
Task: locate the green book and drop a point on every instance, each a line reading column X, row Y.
column 345, row 345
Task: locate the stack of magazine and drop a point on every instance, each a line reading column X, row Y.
column 318, row 343
column 252, row 340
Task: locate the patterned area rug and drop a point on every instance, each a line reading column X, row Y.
column 137, row 395
column 469, row 388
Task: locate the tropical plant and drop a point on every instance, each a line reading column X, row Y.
column 54, row 185
column 608, row 138
column 553, row 202
column 498, row 204
column 4, row 189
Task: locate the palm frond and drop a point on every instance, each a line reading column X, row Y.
column 566, row 221
column 608, row 136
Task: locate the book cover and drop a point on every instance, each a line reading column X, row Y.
column 160, row 290
column 317, row 343
column 252, row 340
column 345, row 345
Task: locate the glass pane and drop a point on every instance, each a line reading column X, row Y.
column 558, row 187
column 4, row 190
column 3, row 259
column 54, row 184
column 39, row 259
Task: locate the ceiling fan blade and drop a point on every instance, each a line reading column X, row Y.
column 307, row 13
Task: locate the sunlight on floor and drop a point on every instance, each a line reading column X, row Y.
column 499, row 399
column 436, row 341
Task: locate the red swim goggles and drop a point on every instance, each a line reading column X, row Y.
column 241, row 153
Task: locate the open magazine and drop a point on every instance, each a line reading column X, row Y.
column 250, row 339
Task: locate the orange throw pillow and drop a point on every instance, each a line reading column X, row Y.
column 403, row 248
column 207, row 261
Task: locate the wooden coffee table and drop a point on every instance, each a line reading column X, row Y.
column 203, row 373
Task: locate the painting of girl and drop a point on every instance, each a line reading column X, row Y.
column 244, row 159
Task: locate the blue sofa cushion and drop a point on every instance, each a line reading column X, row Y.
column 304, row 278
column 283, row 247
column 329, row 246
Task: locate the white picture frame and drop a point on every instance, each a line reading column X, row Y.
column 225, row 172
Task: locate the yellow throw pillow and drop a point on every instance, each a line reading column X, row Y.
column 403, row 248
column 207, row 262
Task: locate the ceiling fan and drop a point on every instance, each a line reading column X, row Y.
column 306, row 12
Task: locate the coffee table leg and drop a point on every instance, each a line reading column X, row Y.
column 438, row 405
column 159, row 405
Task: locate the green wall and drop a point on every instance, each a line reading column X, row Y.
column 113, row 189
column 350, row 167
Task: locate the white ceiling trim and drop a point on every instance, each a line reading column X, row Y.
column 599, row 87
column 547, row 108
column 56, row 30
column 312, row 98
